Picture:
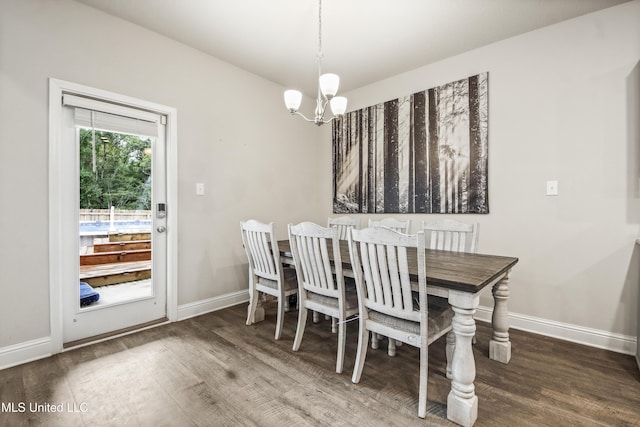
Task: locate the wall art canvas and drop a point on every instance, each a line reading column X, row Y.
column 423, row 153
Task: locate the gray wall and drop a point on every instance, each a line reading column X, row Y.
column 560, row 108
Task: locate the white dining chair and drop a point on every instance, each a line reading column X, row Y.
column 379, row 258
column 392, row 223
column 319, row 288
column 266, row 273
column 402, row 227
column 343, row 224
column 451, row 235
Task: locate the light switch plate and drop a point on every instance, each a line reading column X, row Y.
column 552, row 188
column 199, row 189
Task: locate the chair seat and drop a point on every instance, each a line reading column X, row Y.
column 440, row 316
column 289, row 280
column 351, row 299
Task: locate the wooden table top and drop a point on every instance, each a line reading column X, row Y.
column 462, row 271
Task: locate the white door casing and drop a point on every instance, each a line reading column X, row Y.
column 63, row 241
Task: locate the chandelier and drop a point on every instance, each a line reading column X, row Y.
column 327, row 88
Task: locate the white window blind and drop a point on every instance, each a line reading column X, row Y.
column 101, row 115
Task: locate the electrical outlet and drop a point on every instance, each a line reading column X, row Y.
column 199, row 189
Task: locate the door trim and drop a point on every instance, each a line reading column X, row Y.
column 56, row 89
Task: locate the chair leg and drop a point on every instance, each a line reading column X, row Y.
column 424, row 371
column 302, row 321
column 280, row 318
column 374, row 341
column 451, row 345
column 315, row 317
column 293, row 301
column 253, row 303
column 391, row 349
column 334, row 328
column 342, row 341
column 361, row 354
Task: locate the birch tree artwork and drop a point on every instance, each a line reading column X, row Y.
column 423, row 153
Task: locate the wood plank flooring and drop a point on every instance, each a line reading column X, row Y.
column 212, row 370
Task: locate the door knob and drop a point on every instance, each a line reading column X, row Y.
column 161, row 229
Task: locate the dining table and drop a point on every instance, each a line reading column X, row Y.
column 459, row 277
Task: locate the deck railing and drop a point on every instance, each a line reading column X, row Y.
column 119, row 215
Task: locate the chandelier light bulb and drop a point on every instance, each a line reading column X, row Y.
column 338, row 105
column 292, row 99
column 329, row 84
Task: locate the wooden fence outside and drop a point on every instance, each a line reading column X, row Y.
column 119, row 215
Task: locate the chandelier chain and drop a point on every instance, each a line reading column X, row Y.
column 319, row 29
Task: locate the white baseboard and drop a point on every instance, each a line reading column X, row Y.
column 197, row 308
column 24, row 352
column 565, row 331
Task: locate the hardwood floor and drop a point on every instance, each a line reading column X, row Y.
column 213, row 370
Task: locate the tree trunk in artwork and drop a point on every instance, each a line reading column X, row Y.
column 337, row 129
column 371, row 166
column 434, row 157
column 363, row 163
column 411, row 189
column 391, row 172
column 358, row 138
column 475, row 148
column 420, row 153
column 462, row 193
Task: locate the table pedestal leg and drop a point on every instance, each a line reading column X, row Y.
column 500, row 346
column 462, row 402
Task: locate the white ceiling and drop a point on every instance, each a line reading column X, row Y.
column 363, row 40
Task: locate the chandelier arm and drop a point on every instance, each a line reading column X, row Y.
column 318, row 122
column 298, row 113
column 326, row 122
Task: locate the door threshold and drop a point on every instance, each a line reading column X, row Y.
column 113, row 334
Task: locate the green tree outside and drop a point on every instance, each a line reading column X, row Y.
column 122, row 175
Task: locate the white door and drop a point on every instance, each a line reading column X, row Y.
column 104, row 316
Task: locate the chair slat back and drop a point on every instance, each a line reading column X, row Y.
column 260, row 246
column 311, row 245
column 451, row 235
column 344, row 224
column 392, row 223
column 379, row 258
